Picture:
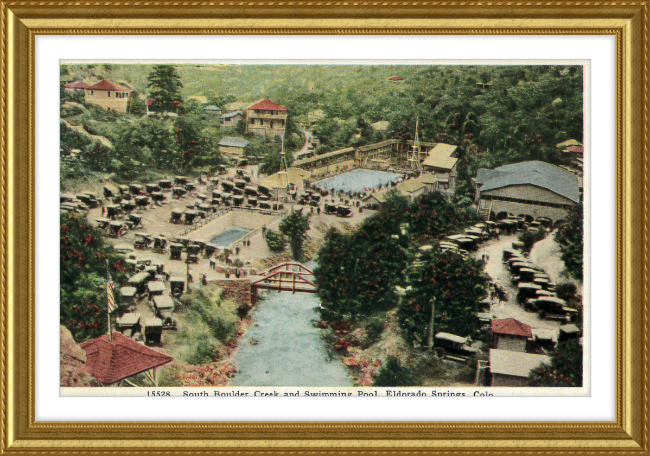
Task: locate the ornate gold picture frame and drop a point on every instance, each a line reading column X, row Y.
column 22, row 21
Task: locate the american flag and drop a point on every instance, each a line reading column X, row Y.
column 110, row 287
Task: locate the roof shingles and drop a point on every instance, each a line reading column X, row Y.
column 108, row 85
column 110, row 361
column 511, row 327
column 536, row 173
column 267, row 105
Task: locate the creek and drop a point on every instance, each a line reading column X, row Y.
column 284, row 348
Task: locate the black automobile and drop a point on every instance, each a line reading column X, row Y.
column 453, row 347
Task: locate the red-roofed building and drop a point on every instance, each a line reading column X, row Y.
column 266, row 118
column 75, row 86
column 510, row 334
column 111, row 361
column 109, row 96
column 395, row 79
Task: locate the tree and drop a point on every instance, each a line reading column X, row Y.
column 453, row 285
column 393, row 373
column 565, row 369
column 84, row 258
column 165, row 84
column 275, row 241
column 138, row 107
column 571, row 243
column 240, row 128
column 194, row 149
column 295, row 227
column 357, row 273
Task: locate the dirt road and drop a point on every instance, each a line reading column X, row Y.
column 500, row 273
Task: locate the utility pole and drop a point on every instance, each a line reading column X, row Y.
column 187, row 262
column 284, row 171
column 430, row 335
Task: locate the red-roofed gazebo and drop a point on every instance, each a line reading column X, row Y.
column 111, row 361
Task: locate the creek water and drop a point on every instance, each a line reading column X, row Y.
column 284, row 348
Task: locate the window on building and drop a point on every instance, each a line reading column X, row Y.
column 109, row 94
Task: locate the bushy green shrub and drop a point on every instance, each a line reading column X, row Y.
column 374, row 328
column 571, row 243
column 529, row 238
column 276, row 241
column 393, row 373
column 203, row 353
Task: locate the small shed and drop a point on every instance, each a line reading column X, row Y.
column 212, row 110
column 510, row 334
column 231, row 119
column 233, row 145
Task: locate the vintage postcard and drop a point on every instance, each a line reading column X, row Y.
column 323, row 228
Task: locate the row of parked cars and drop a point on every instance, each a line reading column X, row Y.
column 80, row 203
column 151, row 285
column 536, row 291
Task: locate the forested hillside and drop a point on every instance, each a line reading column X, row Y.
column 515, row 113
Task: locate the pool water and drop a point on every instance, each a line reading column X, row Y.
column 229, row 236
column 358, row 180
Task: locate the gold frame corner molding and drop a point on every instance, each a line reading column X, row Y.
column 23, row 20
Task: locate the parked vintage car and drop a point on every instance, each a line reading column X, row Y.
column 453, row 347
column 554, row 308
column 129, row 324
column 155, row 289
column 177, row 285
column 128, row 298
column 153, row 330
column 164, row 308
column 527, row 290
column 139, row 281
column 175, row 251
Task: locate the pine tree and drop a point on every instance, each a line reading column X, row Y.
column 165, row 84
column 295, row 227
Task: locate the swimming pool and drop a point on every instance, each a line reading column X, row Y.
column 229, row 236
column 358, row 180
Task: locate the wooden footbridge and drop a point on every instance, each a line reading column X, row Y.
column 292, row 277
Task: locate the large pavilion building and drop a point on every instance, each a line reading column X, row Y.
column 531, row 188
